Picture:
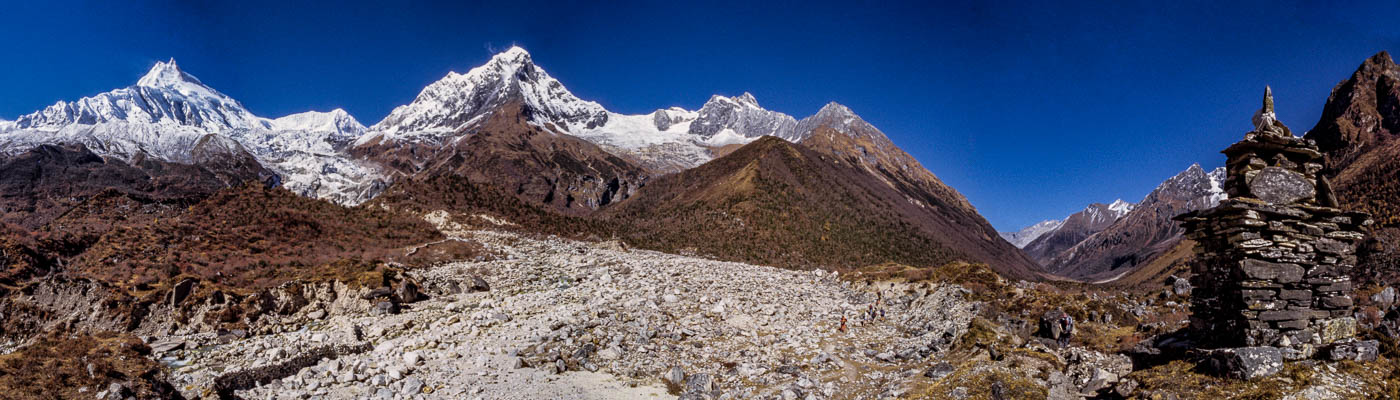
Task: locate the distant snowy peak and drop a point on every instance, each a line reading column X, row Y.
column 1030, row 233
column 1120, row 207
column 459, row 100
column 1090, row 220
column 164, row 96
column 1099, row 213
column 739, row 118
column 336, row 122
column 1193, row 184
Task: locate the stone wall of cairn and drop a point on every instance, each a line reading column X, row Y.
column 1272, row 261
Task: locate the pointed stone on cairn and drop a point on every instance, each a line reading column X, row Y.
column 1266, row 122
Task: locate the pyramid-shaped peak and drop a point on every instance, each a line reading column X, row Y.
column 1381, row 58
column 836, row 108
column 165, row 74
column 513, row 55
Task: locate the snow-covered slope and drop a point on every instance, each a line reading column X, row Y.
column 308, row 150
column 338, row 123
column 173, row 116
column 1026, row 235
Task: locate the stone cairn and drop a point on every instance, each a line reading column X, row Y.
column 1272, row 260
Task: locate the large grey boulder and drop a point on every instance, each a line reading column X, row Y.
column 939, row 370
column 1362, row 350
column 1246, row 362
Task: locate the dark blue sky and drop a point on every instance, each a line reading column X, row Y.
column 1030, row 111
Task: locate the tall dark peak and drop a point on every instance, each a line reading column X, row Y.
column 1357, row 131
column 1362, row 111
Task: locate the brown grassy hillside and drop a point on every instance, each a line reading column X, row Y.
column 778, row 203
column 250, row 237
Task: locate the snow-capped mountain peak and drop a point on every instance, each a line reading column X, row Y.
column 459, row 100
column 171, row 115
column 1120, row 207
column 167, row 74
column 515, row 54
column 164, row 96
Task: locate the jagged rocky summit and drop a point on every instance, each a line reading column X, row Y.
column 1270, row 275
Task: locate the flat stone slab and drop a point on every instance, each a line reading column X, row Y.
column 1277, row 185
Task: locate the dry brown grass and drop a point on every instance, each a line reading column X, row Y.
column 58, row 366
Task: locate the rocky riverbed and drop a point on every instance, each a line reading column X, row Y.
column 567, row 319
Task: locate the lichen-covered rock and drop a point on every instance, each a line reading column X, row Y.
column 1277, row 185
column 1246, row 362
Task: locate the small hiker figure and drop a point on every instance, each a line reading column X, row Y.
column 1066, row 329
column 882, row 314
column 843, row 324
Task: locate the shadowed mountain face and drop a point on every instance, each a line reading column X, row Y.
column 517, row 156
column 1358, row 131
column 780, row 203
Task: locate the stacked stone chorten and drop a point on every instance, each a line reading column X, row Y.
column 1272, row 261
